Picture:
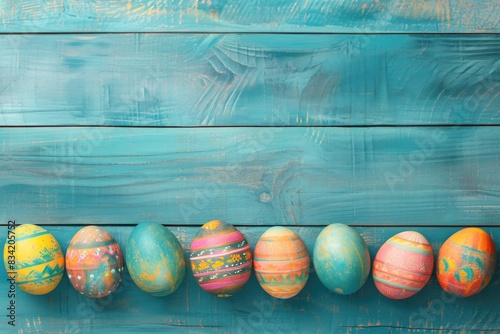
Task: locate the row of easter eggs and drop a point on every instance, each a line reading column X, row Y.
column 222, row 260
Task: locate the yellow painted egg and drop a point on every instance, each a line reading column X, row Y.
column 33, row 256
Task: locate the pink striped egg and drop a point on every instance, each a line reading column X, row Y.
column 221, row 258
column 403, row 265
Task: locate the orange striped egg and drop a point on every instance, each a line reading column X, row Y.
column 35, row 259
column 221, row 258
column 281, row 262
column 403, row 265
column 466, row 262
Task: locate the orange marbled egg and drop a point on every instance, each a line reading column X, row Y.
column 466, row 262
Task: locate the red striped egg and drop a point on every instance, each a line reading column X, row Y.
column 403, row 265
column 221, row 258
column 94, row 262
column 281, row 262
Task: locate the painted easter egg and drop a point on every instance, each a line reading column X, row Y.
column 221, row 258
column 34, row 258
column 155, row 259
column 341, row 259
column 466, row 262
column 281, row 262
column 94, row 262
column 403, row 265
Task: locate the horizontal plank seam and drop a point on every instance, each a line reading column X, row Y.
column 243, row 32
column 254, row 126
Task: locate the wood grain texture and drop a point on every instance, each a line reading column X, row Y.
column 313, row 310
column 252, row 176
column 116, row 112
column 241, row 79
column 256, row 15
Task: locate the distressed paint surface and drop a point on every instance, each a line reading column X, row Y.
column 251, row 176
column 313, row 310
column 249, row 79
column 256, row 15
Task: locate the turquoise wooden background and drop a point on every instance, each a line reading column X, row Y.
column 384, row 115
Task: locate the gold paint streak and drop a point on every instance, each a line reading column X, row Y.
column 86, row 38
column 448, row 15
column 181, row 15
column 147, row 277
column 138, row 9
column 214, row 15
column 437, row 9
column 213, row 224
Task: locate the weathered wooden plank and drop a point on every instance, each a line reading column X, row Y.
column 314, row 310
column 247, row 176
column 296, row 80
column 269, row 16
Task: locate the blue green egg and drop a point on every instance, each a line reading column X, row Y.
column 341, row 259
column 155, row 259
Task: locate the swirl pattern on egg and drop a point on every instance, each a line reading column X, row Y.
column 466, row 262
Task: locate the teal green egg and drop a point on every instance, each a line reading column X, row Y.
column 341, row 259
column 155, row 259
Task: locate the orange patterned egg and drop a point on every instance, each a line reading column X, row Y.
column 403, row 265
column 281, row 262
column 466, row 262
column 94, row 262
